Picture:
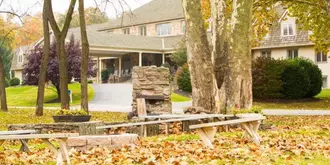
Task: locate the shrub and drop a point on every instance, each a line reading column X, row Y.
column 296, row 82
column 183, row 78
column 166, row 65
column 90, row 81
column 104, row 76
column 14, row 81
column 315, row 76
column 7, row 83
column 266, row 75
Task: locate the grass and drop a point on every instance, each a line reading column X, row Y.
column 179, row 98
column 26, row 116
column 27, row 95
column 321, row 101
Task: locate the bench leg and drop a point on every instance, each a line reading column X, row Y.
column 64, row 151
column 254, row 135
column 24, row 146
column 58, row 154
column 207, row 135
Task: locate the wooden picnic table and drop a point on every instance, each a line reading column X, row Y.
column 61, row 153
column 24, row 146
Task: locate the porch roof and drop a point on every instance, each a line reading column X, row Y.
column 128, row 43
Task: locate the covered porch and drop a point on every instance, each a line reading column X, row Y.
column 120, row 62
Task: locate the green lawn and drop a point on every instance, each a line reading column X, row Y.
column 179, row 98
column 321, row 101
column 27, row 95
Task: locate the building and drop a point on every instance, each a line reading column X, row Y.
column 150, row 33
column 287, row 41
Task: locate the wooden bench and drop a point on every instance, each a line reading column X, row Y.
column 61, row 153
column 144, row 124
column 24, row 146
column 207, row 131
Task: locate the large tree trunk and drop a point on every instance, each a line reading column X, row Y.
column 4, row 106
column 84, row 59
column 60, row 49
column 199, row 57
column 237, row 75
column 44, row 62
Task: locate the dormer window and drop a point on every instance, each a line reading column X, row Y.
column 126, row 31
column 287, row 29
column 163, row 29
column 20, row 58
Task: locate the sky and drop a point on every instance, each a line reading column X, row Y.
column 60, row 6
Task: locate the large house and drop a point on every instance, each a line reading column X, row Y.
column 150, row 33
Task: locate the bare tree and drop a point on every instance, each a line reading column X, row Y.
column 84, row 59
column 44, row 62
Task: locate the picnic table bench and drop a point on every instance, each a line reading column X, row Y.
column 24, row 146
column 176, row 119
column 61, row 153
column 207, row 131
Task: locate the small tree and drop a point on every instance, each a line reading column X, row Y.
column 31, row 69
column 180, row 56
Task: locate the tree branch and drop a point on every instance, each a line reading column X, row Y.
column 51, row 18
column 68, row 17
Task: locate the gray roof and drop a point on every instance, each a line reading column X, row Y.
column 22, row 50
column 154, row 11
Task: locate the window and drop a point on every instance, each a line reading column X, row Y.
column 321, row 57
column 163, row 29
column 183, row 26
column 20, row 58
column 143, row 30
column 325, row 82
column 126, row 31
column 287, row 29
column 292, row 53
column 266, row 53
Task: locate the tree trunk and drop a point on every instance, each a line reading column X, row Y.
column 44, row 62
column 84, row 59
column 4, row 106
column 199, row 57
column 60, row 49
column 237, row 75
column 58, row 90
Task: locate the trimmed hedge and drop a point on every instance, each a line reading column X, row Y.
column 183, row 78
column 105, row 75
column 14, row 81
column 7, row 83
column 294, row 79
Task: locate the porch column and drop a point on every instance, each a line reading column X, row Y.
column 119, row 67
column 140, row 58
column 98, row 77
column 163, row 58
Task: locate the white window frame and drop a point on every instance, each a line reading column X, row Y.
column 323, row 57
column 267, row 53
column 126, row 31
column 163, row 29
column 183, row 27
column 20, row 59
column 143, row 30
column 325, row 85
column 286, row 26
column 293, row 51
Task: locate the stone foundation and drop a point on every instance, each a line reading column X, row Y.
column 152, row 81
column 83, row 143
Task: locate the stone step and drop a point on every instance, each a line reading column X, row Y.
column 83, row 143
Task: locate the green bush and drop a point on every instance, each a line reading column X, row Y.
column 267, row 77
column 315, row 76
column 90, row 81
column 183, row 78
column 296, row 82
column 14, row 81
column 105, row 76
column 7, row 83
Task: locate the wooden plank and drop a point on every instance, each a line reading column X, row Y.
column 64, row 151
column 141, row 107
column 50, row 145
column 228, row 122
column 24, row 146
column 38, row 136
column 151, row 122
column 18, row 132
column 251, row 132
column 57, row 153
column 205, row 138
column 165, row 116
column 151, row 97
column 1, row 142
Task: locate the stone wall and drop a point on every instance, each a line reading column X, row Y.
column 152, row 81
